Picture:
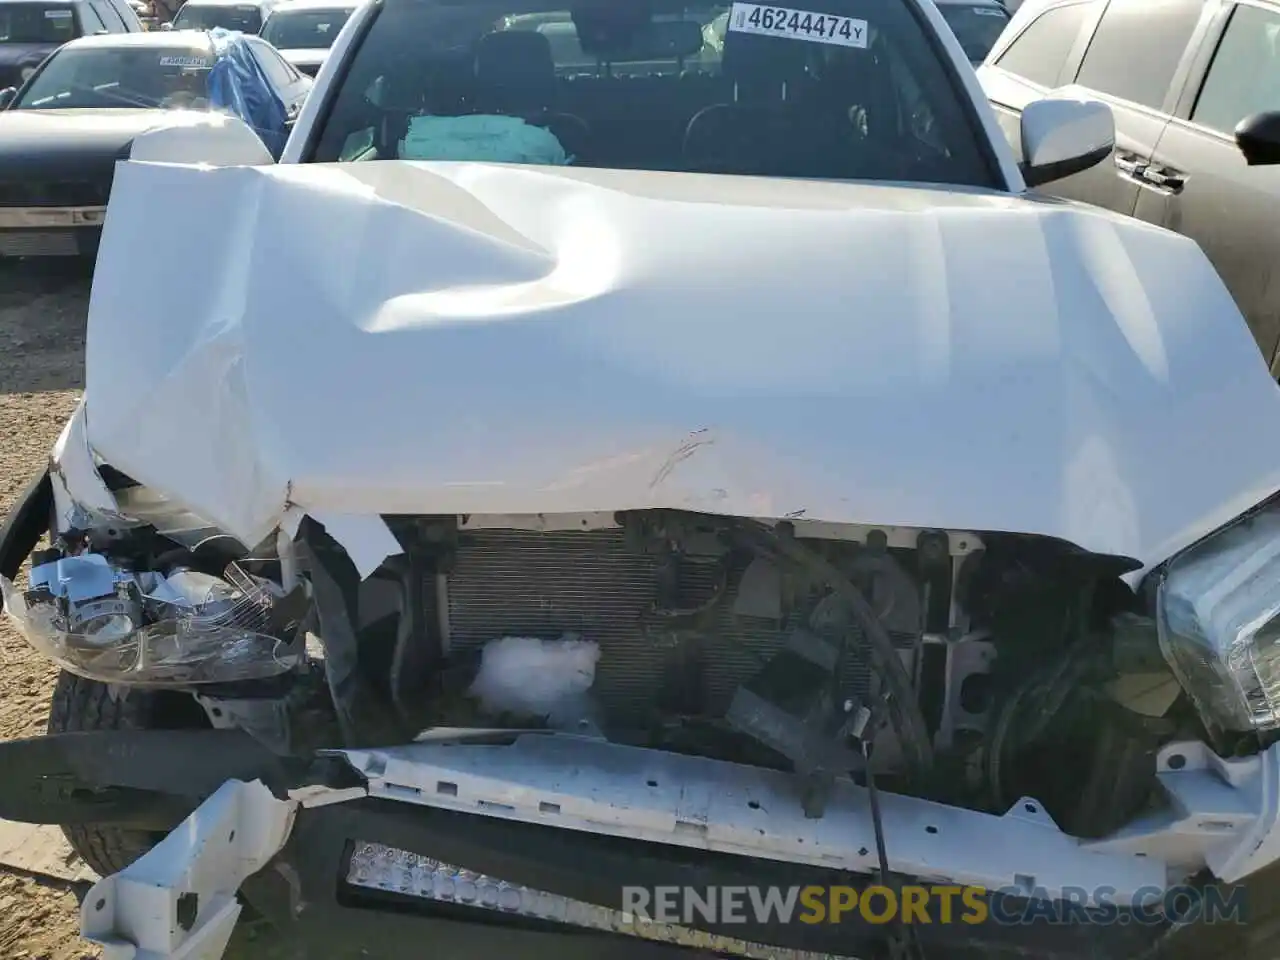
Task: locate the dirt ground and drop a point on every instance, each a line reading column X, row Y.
column 42, row 322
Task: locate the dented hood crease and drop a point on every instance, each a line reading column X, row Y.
column 473, row 338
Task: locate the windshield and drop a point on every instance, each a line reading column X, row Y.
column 977, row 28
column 37, row 23
column 304, row 29
column 143, row 77
column 195, row 16
column 838, row 89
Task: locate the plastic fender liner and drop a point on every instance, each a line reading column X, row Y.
column 25, row 524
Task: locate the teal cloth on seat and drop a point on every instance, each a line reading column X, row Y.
column 481, row 138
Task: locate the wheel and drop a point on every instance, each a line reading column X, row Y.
column 80, row 704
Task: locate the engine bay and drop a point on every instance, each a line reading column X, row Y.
column 965, row 668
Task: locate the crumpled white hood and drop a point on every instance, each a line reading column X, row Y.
column 453, row 338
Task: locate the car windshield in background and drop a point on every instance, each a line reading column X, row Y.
column 830, row 89
column 246, row 18
column 36, row 23
column 976, row 27
column 144, row 77
column 310, row 29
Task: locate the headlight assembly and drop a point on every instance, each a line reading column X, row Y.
column 102, row 621
column 1219, row 624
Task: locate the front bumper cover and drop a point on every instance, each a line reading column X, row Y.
column 284, row 833
column 177, row 902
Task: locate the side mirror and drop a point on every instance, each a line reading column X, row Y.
column 1258, row 138
column 1062, row 137
column 7, row 96
column 167, row 25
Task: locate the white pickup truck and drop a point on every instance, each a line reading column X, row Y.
column 610, row 493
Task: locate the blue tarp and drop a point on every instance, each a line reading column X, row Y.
column 238, row 85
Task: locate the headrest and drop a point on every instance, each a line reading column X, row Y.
column 515, row 58
column 762, row 63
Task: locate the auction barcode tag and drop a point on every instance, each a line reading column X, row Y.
column 798, row 25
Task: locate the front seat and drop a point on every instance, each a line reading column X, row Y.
column 516, row 77
column 748, row 135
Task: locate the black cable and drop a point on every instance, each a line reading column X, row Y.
column 876, row 822
column 905, row 946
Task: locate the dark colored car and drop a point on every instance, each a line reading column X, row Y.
column 62, row 133
column 977, row 24
column 1194, row 86
column 30, row 30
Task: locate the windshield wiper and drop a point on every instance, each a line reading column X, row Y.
column 130, row 97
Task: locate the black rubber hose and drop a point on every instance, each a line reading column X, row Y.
column 1049, row 688
column 904, row 711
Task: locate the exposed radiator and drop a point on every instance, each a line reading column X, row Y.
column 597, row 586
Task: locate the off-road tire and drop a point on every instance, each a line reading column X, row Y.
column 80, row 704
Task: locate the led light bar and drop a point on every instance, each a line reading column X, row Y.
column 377, row 867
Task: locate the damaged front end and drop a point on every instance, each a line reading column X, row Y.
column 515, row 729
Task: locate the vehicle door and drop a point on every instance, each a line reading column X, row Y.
column 128, row 16
column 1198, row 182
column 1028, row 65
column 108, row 15
column 1131, row 61
column 91, row 22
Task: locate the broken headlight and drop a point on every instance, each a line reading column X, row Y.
column 1219, row 623
column 103, row 621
